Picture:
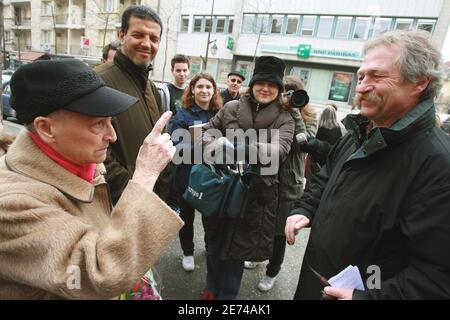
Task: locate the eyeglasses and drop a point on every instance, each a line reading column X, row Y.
column 236, row 80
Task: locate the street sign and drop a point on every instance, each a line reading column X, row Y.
column 230, row 43
column 304, row 50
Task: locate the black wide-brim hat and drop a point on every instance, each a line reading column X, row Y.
column 42, row 87
column 269, row 69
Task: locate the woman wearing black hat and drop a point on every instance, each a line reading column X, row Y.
column 232, row 241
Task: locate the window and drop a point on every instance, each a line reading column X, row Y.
column 184, row 24
column 361, row 28
column 340, row 86
column 249, row 23
column 108, row 5
column 208, row 24
column 403, row 24
column 196, row 65
column 277, row 24
column 263, row 23
column 198, row 23
column 343, row 26
column 292, row 24
column 308, row 26
column 46, row 37
column 220, row 24
column 230, row 25
column 46, row 8
column 303, row 74
column 427, row 25
column 381, row 25
column 325, row 27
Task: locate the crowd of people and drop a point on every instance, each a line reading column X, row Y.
column 89, row 197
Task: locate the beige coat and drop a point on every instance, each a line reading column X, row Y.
column 54, row 227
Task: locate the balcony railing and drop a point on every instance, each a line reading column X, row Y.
column 22, row 21
column 75, row 19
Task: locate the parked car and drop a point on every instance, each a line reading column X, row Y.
column 7, row 110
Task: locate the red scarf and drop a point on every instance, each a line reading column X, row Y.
column 85, row 171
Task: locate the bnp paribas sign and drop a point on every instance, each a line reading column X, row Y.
column 306, row 50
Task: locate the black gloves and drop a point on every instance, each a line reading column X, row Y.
column 310, row 146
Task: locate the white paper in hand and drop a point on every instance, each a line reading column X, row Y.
column 347, row 278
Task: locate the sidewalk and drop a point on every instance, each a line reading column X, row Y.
column 176, row 284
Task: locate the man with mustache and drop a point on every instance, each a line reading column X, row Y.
column 381, row 202
column 139, row 37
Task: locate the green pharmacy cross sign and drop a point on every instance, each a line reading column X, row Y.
column 304, row 50
column 230, row 43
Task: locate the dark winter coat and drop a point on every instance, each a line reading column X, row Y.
column 226, row 96
column 183, row 119
column 251, row 238
column 292, row 173
column 133, row 125
column 383, row 199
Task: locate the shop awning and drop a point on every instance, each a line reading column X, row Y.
column 31, row 55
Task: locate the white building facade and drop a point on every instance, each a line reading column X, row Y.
column 321, row 41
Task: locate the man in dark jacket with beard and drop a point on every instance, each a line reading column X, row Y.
column 382, row 202
column 139, row 36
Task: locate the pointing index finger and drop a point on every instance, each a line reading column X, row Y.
column 161, row 123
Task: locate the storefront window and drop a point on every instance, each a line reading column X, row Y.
column 196, row 65
column 244, row 67
column 303, row 74
column 340, row 86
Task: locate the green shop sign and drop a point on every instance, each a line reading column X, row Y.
column 230, row 43
column 305, row 50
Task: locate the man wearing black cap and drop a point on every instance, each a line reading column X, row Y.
column 59, row 235
column 234, row 84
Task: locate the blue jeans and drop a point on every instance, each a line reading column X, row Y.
column 223, row 277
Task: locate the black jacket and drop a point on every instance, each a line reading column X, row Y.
column 383, row 199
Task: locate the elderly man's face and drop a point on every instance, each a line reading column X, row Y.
column 81, row 139
column 234, row 84
column 382, row 94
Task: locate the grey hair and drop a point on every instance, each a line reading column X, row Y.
column 420, row 58
column 328, row 118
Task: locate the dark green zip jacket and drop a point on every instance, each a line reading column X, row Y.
column 383, row 201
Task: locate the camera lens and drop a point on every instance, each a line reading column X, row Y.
column 299, row 99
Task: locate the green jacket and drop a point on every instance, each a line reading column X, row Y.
column 292, row 170
column 133, row 125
